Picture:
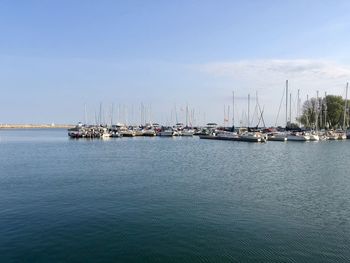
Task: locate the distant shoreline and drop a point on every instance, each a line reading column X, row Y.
column 35, row 126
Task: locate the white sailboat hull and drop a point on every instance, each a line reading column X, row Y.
column 297, row 138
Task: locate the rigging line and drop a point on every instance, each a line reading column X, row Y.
column 279, row 109
column 261, row 114
column 261, row 117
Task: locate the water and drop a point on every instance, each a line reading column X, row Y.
column 171, row 200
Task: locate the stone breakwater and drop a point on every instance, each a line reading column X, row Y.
column 35, row 126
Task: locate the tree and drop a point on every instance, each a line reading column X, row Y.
column 309, row 109
column 330, row 108
column 335, row 110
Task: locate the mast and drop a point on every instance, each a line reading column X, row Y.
column 112, row 114
column 233, row 108
column 141, row 114
column 85, row 114
column 345, row 105
column 132, row 115
column 224, row 115
column 290, row 108
column 248, row 110
column 298, row 108
column 286, row 103
column 176, row 114
column 259, row 111
column 125, row 113
column 307, row 114
column 325, row 110
column 228, row 115
column 100, row 115
column 150, row 114
column 316, row 112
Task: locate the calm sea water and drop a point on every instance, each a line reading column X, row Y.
column 171, row 200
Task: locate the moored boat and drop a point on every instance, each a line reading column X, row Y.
column 298, row 137
column 167, row 133
column 314, row 137
column 149, row 133
column 186, row 132
column 277, row 137
column 253, row 137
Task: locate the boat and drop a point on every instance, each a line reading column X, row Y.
column 167, row 133
column 105, row 133
column 127, row 133
column 342, row 135
column 149, row 133
column 314, row 137
column 332, row 136
column 223, row 136
column 115, row 134
column 77, row 132
column 187, row 133
column 253, row 137
column 298, row 137
column 276, row 136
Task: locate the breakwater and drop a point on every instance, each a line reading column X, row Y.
column 35, row 126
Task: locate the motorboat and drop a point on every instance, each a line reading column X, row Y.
column 186, row 132
column 167, row 133
column 149, row 133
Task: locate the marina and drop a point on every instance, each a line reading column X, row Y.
column 175, row 131
column 314, row 122
column 211, row 132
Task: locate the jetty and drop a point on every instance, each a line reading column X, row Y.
column 36, row 126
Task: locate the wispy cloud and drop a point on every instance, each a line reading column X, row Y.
column 297, row 68
column 268, row 77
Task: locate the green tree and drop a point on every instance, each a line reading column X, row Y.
column 330, row 108
column 335, row 110
column 309, row 109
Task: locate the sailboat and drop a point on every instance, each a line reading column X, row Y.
column 342, row 135
column 293, row 136
column 314, row 134
column 248, row 136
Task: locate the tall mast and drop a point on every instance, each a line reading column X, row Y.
column 286, row 103
column 228, row 115
column 112, row 114
column 132, row 115
column 224, row 115
column 345, row 105
column 298, row 108
column 85, row 114
column 290, row 108
column 176, row 114
column 233, row 108
column 248, row 109
column 100, row 115
column 325, row 110
column 141, row 114
column 316, row 112
column 307, row 112
column 150, row 113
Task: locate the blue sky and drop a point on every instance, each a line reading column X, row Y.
column 57, row 56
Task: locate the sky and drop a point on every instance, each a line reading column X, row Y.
column 58, row 58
